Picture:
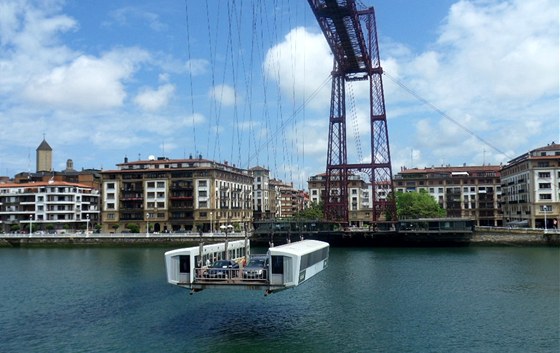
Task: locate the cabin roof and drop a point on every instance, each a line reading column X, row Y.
column 299, row 247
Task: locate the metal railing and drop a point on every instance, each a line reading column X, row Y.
column 235, row 275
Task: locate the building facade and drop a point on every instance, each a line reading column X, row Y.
column 53, row 206
column 359, row 197
column 290, row 201
column 261, row 193
column 176, row 195
column 531, row 188
column 467, row 192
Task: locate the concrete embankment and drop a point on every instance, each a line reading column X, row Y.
column 104, row 240
column 515, row 237
column 482, row 236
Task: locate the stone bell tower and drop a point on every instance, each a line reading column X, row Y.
column 44, row 157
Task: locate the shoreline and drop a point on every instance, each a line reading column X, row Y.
column 481, row 237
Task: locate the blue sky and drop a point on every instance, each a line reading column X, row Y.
column 246, row 83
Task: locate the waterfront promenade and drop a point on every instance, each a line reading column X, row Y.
column 483, row 236
column 125, row 239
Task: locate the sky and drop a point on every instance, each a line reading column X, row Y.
column 248, row 82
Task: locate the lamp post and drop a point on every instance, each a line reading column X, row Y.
column 226, row 229
column 545, row 210
column 147, row 224
column 30, row 224
column 87, row 225
column 246, row 240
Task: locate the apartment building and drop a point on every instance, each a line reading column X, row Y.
column 288, row 200
column 359, row 196
column 469, row 191
column 48, row 206
column 261, row 193
column 176, row 195
column 531, row 188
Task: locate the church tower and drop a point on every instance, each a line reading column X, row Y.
column 44, row 157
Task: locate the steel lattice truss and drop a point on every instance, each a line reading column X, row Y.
column 356, row 57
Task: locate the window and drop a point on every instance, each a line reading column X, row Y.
column 110, row 196
column 110, row 206
column 110, row 216
column 110, row 186
column 160, row 184
column 277, row 264
column 544, row 185
column 544, row 175
column 202, row 183
column 203, row 193
column 184, row 264
column 151, row 184
column 545, row 196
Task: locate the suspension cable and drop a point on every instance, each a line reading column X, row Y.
column 443, row 114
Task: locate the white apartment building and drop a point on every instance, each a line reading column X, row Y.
column 466, row 191
column 48, row 206
column 531, row 188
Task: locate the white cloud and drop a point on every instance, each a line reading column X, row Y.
column 193, row 120
column 507, row 49
column 300, row 65
column 197, row 66
column 86, row 83
column 129, row 16
column 37, row 69
column 494, row 65
column 152, row 100
column 223, row 94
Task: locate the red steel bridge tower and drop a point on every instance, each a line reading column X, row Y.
column 356, row 57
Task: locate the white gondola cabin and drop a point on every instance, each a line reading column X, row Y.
column 184, row 266
column 293, row 263
column 285, row 266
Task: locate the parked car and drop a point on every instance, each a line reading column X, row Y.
column 256, row 268
column 222, row 269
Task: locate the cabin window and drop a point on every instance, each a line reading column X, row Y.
column 278, row 265
column 184, row 264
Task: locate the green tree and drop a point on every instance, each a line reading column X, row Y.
column 315, row 211
column 414, row 205
column 133, row 228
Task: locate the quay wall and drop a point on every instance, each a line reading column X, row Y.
column 514, row 236
column 482, row 236
column 107, row 240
